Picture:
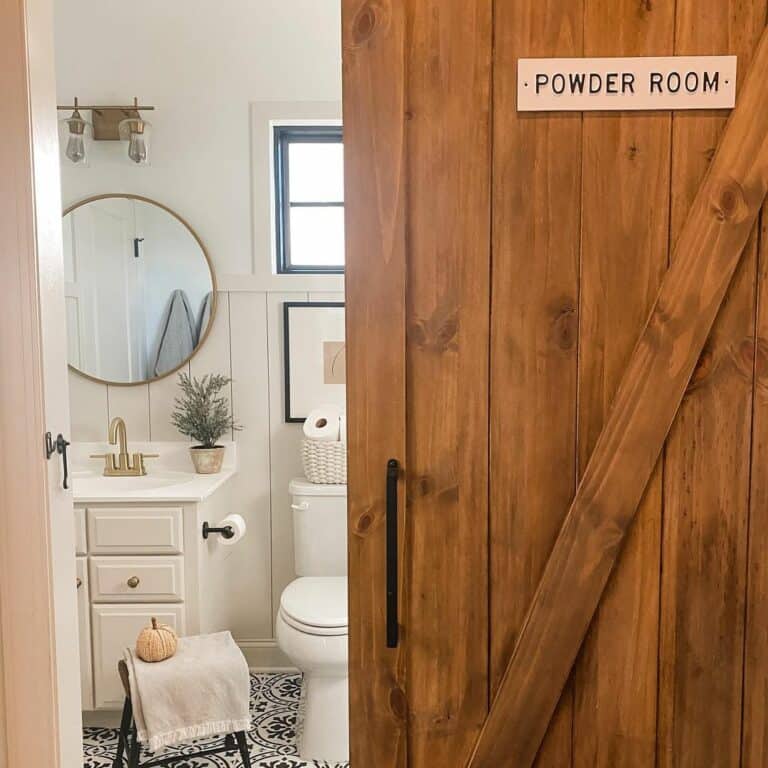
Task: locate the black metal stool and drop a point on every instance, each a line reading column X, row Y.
column 128, row 742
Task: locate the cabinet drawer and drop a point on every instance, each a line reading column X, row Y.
column 135, row 530
column 115, row 628
column 137, row 579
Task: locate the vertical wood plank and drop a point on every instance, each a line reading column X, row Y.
column 162, row 395
column 624, row 242
column 706, row 470
column 132, row 405
column 215, row 356
column 284, row 451
column 536, row 224
column 373, row 38
column 755, row 711
column 88, row 408
column 448, row 302
column 252, row 560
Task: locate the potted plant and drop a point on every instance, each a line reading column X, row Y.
column 203, row 414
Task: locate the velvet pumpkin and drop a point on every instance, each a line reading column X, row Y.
column 156, row 643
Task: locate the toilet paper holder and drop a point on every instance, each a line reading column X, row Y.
column 226, row 531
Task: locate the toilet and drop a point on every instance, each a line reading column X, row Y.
column 312, row 625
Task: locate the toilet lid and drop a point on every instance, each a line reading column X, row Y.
column 316, row 603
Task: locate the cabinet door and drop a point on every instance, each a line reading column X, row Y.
column 115, row 628
column 84, row 629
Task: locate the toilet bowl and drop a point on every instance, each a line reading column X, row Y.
column 312, row 631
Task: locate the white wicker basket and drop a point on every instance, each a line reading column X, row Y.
column 324, row 461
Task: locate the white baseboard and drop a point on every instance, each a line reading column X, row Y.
column 264, row 656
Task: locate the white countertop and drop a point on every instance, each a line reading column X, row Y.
column 170, row 478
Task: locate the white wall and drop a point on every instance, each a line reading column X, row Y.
column 217, row 74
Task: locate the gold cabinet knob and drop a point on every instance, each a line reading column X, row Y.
column 79, row 582
column 133, row 582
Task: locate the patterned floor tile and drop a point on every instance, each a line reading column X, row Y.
column 275, row 707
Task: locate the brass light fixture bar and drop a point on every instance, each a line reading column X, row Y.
column 107, row 118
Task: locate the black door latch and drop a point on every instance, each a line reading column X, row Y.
column 58, row 446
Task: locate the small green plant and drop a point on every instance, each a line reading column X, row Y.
column 202, row 412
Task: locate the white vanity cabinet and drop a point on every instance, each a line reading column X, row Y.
column 132, row 565
column 140, row 553
column 136, row 560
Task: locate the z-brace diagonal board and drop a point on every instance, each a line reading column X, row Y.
column 650, row 393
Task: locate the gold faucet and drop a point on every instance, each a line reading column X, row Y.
column 122, row 464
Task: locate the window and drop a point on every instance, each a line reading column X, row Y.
column 309, row 199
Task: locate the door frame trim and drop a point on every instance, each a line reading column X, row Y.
column 28, row 696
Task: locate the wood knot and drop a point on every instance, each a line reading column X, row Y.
column 423, row 485
column 447, row 331
column 436, row 334
column 398, row 704
column 761, row 362
column 633, row 151
column 710, row 154
column 449, row 495
column 365, row 21
column 743, row 357
column 364, row 523
column 704, row 370
column 730, row 203
column 565, row 326
column 646, row 6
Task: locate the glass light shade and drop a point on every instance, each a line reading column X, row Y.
column 76, row 138
column 136, row 132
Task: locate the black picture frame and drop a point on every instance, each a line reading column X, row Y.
column 287, row 307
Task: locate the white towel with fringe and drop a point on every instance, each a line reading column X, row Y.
column 203, row 690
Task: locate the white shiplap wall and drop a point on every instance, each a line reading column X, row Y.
column 246, row 343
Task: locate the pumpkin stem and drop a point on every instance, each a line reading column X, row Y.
column 154, row 623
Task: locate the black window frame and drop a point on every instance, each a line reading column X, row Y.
column 283, row 137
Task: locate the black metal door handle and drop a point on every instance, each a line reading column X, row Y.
column 393, row 626
column 58, row 446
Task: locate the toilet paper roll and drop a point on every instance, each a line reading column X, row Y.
column 323, row 423
column 237, row 523
column 343, row 428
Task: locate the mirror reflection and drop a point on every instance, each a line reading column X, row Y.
column 140, row 290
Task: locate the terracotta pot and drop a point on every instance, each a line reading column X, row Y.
column 207, row 461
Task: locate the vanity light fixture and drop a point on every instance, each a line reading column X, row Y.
column 135, row 130
column 109, row 123
column 78, row 136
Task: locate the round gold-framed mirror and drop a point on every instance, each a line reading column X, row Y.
column 140, row 289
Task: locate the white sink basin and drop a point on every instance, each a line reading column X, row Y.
column 170, row 476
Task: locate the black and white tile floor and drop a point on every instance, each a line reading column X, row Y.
column 275, row 700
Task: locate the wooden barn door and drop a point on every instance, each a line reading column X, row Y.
column 417, row 77
column 580, row 493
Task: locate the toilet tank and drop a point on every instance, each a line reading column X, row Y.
column 319, row 528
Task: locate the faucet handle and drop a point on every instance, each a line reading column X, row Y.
column 140, row 458
column 109, row 461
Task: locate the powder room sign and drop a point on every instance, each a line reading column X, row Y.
column 640, row 83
